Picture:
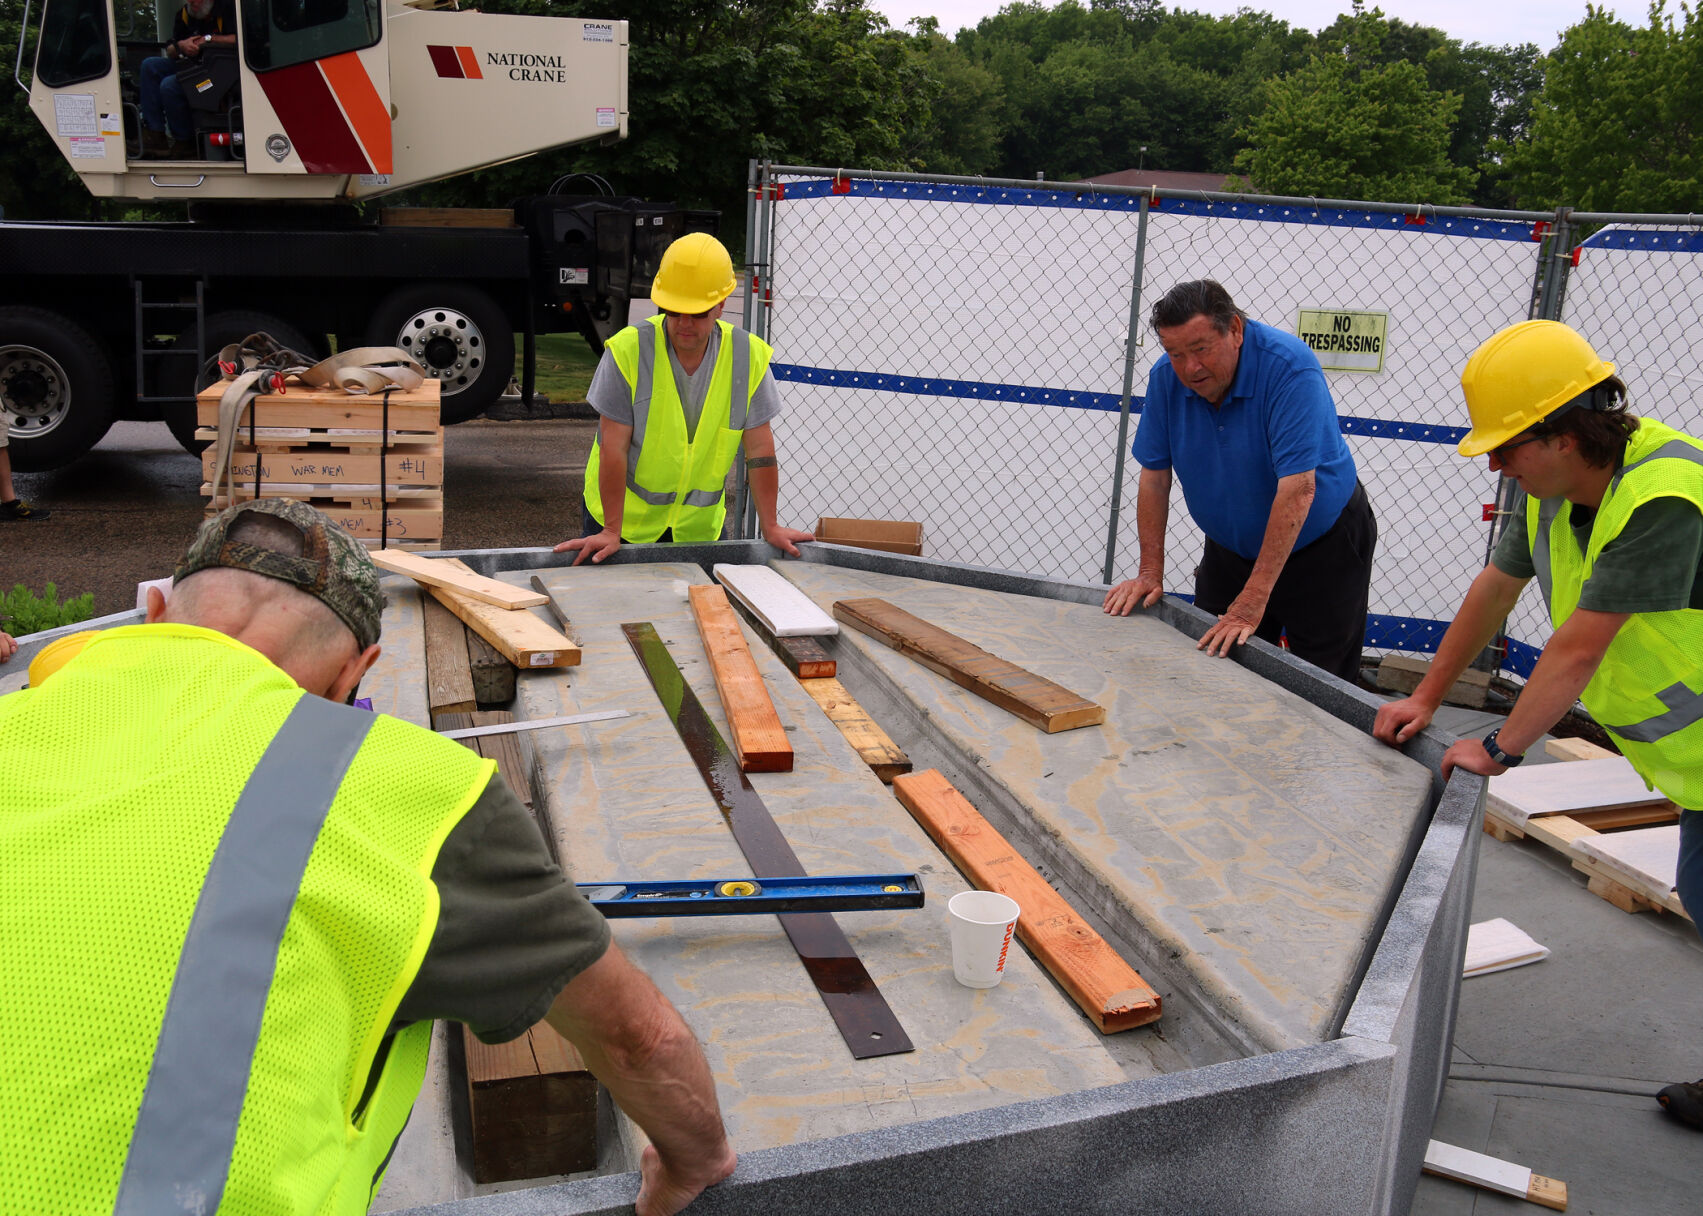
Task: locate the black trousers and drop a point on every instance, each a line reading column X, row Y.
column 588, row 525
column 1320, row 598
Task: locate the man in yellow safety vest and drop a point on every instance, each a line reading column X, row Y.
column 234, row 905
column 1612, row 529
column 676, row 397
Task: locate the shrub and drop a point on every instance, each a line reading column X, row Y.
column 23, row 611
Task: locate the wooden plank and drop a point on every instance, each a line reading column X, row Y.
column 369, row 497
column 882, row 755
column 365, row 441
column 454, row 575
column 1108, row 989
column 1037, row 701
column 1576, row 749
column 1492, row 1174
column 806, row 658
column 493, row 675
column 314, row 467
column 321, row 408
column 784, row 610
column 449, row 676
column 447, row 217
column 367, row 521
column 1397, row 673
column 1521, row 794
column 759, row 739
column 520, row 637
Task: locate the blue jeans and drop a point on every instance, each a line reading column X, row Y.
column 1688, row 880
column 163, row 103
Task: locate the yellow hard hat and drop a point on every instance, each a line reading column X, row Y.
column 1521, row 376
column 51, row 657
column 696, row 274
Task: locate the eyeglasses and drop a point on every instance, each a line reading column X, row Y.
column 1501, row 450
column 694, row 316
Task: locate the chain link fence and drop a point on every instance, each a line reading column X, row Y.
column 972, row 355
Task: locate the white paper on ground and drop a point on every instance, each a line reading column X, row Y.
column 164, row 584
column 1496, row 945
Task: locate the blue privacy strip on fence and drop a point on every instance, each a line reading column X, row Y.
column 1079, row 399
column 1088, row 199
column 1621, row 238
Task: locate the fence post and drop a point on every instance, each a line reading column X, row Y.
column 1129, row 384
column 751, row 188
column 756, row 315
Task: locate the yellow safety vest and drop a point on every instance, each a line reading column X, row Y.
column 675, row 480
column 1648, row 691
column 217, row 891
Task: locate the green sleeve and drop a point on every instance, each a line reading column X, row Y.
column 512, row 930
column 1513, row 552
column 1652, row 565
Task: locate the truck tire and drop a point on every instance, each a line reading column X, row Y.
column 458, row 334
column 223, row 328
column 56, row 383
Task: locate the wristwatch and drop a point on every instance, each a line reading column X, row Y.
column 1497, row 754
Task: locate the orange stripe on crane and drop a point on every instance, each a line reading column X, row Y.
column 365, row 109
column 469, row 62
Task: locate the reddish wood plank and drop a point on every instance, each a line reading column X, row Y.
column 759, row 739
column 1109, row 990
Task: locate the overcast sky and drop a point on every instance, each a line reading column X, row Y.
column 1494, row 23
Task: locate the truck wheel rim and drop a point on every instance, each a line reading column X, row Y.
column 447, row 344
column 34, row 389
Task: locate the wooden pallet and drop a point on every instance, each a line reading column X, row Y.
column 1565, row 832
column 331, row 466
column 329, row 409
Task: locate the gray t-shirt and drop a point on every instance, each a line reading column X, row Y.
column 612, row 397
column 1654, row 565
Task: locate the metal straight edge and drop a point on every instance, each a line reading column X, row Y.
column 1129, row 386
column 1210, row 196
column 557, row 611
column 509, row 728
column 865, row 1021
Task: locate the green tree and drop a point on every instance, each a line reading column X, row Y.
column 1348, row 125
column 1616, row 125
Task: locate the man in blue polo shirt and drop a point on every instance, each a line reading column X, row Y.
column 1241, row 412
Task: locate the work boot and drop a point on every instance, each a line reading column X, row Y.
column 155, row 145
column 19, row 509
column 183, row 149
column 1684, row 1102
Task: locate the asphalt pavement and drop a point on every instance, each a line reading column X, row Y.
column 125, row 511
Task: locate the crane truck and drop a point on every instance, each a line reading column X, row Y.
column 319, row 107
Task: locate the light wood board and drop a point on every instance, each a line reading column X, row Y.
column 299, row 405
column 519, row 637
column 759, row 739
column 1561, row 789
column 454, row 575
column 1644, row 859
column 1504, row 1177
column 784, row 610
column 1036, row 700
column 886, row 758
column 310, row 467
column 1108, row 989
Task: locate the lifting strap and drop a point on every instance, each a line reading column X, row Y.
column 259, row 364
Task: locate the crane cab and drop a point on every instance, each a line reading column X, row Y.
column 323, row 99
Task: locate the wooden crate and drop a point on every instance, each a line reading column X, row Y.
column 332, row 450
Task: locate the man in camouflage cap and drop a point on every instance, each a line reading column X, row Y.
column 317, row 884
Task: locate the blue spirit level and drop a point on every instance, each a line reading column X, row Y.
column 745, row 896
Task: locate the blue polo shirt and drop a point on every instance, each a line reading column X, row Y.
column 1277, row 420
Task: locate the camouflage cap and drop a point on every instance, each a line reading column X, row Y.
column 332, row 566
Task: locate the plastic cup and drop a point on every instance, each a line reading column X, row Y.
column 982, row 923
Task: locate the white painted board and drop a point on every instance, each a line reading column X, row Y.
column 1561, row 789
column 1496, row 945
column 1645, row 859
column 784, row 610
column 1463, row 1164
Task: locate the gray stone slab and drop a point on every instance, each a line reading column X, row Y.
column 396, row 682
column 1254, row 836
column 627, row 802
